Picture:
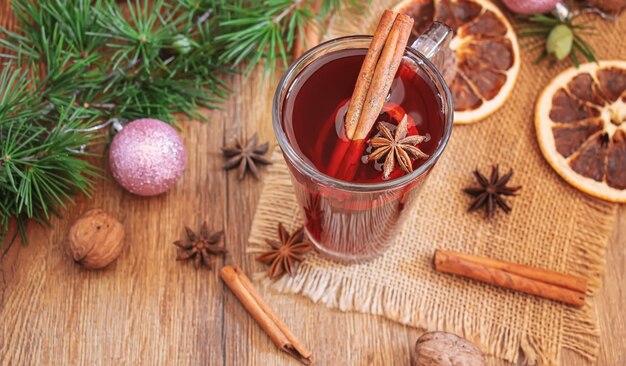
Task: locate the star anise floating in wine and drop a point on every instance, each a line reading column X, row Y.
column 246, row 156
column 396, row 146
column 286, row 254
column 491, row 191
column 200, row 248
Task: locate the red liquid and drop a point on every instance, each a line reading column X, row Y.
column 318, row 100
column 354, row 225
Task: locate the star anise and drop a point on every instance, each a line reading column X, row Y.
column 396, row 147
column 490, row 192
column 314, row 214
column 246, row 156
column 284, row 256
column 199, row 248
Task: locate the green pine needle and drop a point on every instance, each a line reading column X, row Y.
column 538, row 28
column 74, row 64
column 41, row 165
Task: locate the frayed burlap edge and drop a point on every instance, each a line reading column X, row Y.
column 586, row 258
column 580, row 332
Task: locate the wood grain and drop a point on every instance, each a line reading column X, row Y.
column 149, row 309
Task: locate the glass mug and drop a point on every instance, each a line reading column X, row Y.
column 355, row 222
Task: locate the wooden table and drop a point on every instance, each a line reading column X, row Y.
column 149, row 309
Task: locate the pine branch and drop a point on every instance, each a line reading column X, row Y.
column 265, row 30
column 39, row 169
column 78, row 63
column 540, row 27
column 164, row 61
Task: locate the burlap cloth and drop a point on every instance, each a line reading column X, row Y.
column 552, row 226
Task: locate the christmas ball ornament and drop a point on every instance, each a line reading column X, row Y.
column 530, row 7
column 147, row 157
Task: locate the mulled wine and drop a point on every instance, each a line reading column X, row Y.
column 352, row 210
column 317, row 102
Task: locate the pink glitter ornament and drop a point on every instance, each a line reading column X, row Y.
column 147, row 157
column 530, row 7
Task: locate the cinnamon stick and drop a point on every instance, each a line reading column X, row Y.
column 384, row 74
column 535, row 281
column 571, row 282
column 275, row 328
column 378, row 70
column 368, row 68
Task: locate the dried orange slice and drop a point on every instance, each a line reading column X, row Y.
column 580, row 119
column 485, row 47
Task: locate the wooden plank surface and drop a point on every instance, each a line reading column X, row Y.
column 149, row 309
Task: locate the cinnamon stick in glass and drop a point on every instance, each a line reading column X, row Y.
column 378, row 70
column 275, row 328
column 535, row 281
column 384, row 74
column 368, row 68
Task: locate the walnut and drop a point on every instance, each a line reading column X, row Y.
column 96, row 239
column 446, row 349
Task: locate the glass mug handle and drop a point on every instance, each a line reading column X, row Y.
column 434, row 45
